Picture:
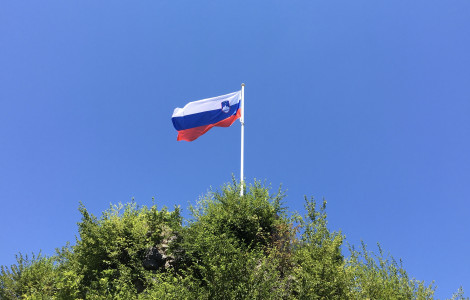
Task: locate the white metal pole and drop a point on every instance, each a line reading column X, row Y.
column 242, row 121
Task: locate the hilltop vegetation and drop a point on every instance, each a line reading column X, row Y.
column 232, row 247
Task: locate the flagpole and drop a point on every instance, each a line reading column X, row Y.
column 242, row 121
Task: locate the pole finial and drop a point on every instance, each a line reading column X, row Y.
column 243, row 84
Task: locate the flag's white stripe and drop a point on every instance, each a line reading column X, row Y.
column 206, row 104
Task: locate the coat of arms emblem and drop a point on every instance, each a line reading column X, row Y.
column 225, row 106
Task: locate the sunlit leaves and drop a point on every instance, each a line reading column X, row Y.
column 232, row 247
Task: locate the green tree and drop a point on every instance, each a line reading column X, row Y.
column 230, row 240
column 377, row 277
column 319, row 270
column 108, row 257
column 459, row 295
column 33, row 278
column 232, row 247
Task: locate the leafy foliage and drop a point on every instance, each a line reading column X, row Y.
column 30, row 278
column 108, row 256
column 459, row 295
column 229, row 244
column 378, row 277
column 319, row 263
column 232, row 247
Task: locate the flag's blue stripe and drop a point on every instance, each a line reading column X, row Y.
column 203, row 118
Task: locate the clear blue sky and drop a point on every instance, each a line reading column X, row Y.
column 364, row 103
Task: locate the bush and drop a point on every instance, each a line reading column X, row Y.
column 377, row 277
column 232, row 247
column 29, row 278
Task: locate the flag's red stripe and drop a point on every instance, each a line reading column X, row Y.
column 193, row 133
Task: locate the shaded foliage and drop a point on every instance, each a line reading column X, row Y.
column 319, row 263
column 232, row 247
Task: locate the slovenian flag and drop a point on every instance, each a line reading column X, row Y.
column 196, row 118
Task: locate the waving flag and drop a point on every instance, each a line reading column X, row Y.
column 196, row 118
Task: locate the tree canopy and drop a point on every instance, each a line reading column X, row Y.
column 232, row 247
